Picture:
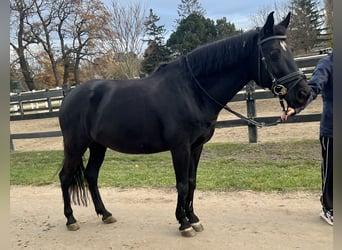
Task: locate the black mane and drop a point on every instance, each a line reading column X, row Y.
column 222, row 54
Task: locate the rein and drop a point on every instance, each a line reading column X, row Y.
column 277, row 87
column 225, row 107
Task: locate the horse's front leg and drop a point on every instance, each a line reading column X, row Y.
column 181, row 163
column 190, row 214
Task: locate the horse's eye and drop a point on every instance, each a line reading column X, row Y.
column 275, row 54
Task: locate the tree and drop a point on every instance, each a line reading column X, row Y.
column 64, row 12
column 192, row 31
column 225, row 28
column 281, row 9
column 306, row 25
column 196, row 30
column 156, row 51
column 126, row 36
column 187, row 7
column 53, row 41
column 68, row 32
column 89, row 27
column 329, row 21
column 20, row 12
column 42, row 29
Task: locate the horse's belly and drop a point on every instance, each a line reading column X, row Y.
column 137, row 149
column 131, row 141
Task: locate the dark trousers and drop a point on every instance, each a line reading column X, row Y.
column 327, row 172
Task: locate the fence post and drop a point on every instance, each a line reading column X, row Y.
column 251, row 113
column 21, row 107
column 48, row 99
column 11, row 144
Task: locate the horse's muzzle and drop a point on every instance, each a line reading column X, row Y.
column 298, row 96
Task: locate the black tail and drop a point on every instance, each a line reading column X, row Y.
column 78, row 189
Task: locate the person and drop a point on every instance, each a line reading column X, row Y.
column 321, row 81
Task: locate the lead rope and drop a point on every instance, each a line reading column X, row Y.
column 225, row 107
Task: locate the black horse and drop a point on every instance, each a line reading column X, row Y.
column 174, row 109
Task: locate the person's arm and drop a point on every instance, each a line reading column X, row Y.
column 320, row 76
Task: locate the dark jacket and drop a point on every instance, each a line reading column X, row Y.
column 321, row 82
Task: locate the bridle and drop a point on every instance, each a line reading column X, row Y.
column 279, row 86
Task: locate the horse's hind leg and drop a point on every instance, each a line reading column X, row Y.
column 97, row 153
column 71, row 177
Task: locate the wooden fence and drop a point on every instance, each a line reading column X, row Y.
column 46, row 103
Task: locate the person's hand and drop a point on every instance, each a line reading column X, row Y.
column 289, row 112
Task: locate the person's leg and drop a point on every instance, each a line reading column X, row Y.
column 327, row 179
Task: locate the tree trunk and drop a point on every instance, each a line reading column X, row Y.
column 26, row 73
column 66, row 73
column 76, row 71
column 55, row 71
column 24, row 66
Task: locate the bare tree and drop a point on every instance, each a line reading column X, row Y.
column 280, row 9
column 64, row 10
column 67, row 34
column 306, row 26
column 21, row 10
column 89, row 28
column 43, row 28
column 80, row 21
column 126, row 36
column 329, row 19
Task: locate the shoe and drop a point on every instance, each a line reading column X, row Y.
column 327, row 215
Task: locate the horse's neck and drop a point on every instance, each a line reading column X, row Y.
column 222, row 55
column 224, row 87
column 223, row 68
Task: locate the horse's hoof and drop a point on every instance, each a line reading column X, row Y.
column 73, row 226
column 198, row 227
column 188, row 232
column 109, row 220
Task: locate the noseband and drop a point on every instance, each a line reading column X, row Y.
column 279, row 86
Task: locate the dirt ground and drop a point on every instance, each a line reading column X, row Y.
column 232, row 220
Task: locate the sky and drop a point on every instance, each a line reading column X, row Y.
column 238, row 12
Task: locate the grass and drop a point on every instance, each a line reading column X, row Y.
column 285, row 166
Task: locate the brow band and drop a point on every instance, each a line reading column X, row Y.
column 271, row 38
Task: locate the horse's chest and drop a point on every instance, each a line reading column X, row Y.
column 204, row 132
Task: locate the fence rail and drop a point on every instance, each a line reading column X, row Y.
column 46, row 103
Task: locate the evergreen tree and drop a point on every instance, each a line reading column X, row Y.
column 196, row 30
column 187, row 7
column 306, row 25
column 156, row 51
column 225, row 29
column 192, row 31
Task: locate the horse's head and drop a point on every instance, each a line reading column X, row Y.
column 277, row 69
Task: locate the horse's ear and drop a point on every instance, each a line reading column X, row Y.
column 286, row 21
column 268, row 27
